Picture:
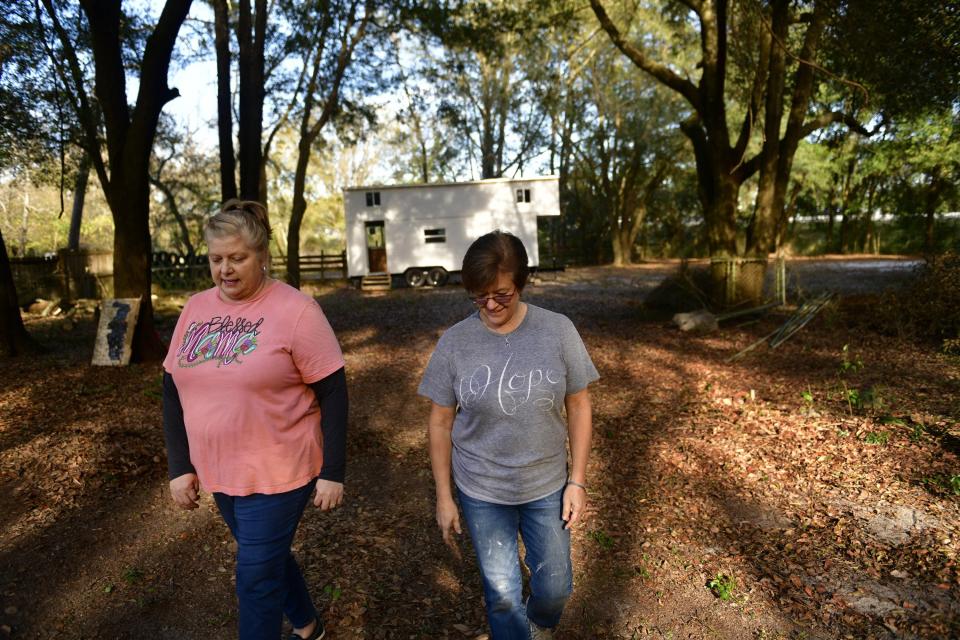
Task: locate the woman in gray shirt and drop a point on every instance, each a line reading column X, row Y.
column 498, row 381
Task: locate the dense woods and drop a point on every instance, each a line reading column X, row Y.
column 677, row 128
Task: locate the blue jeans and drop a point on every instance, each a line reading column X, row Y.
column 269, row 582
column 493, row 529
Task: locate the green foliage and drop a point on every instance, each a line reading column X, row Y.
column 916, row 434
column 132, row 575
column 872, row 398
column 878, row 437
column 333, row 592
column 942, row 484
column 155, row 390
column 722, row 586
column 857, row 398
column 930, row 308
column 852, row 398
column 906, row 52
column 602, row 538
column 850, row 364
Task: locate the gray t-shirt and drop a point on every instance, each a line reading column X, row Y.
column 509, row 437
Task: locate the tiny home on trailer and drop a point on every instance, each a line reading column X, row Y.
column 421, row 232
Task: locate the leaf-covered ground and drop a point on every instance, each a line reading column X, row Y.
column 809, row 491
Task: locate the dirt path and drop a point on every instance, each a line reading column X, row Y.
column 829, row 520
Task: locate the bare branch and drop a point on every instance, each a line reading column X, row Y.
column 808, row 17
column 822, row 120
column 81, row 101
column 659, row 71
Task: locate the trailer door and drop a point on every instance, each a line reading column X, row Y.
column 376, row 246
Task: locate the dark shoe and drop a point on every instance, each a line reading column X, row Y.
column 317, row 634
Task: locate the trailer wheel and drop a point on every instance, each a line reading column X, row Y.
column 415, row 277
column 437, row 277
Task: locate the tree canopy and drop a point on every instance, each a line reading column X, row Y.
column 676, row 127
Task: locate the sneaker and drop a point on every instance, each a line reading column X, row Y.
column 317, row 634
column 539, row 633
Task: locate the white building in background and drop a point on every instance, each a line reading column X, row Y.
column 423, row 231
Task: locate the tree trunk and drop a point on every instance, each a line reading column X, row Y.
column 14, row 339
column 251, row 30
column 828, row 245
column 846, row 196
column 24, row 218
column 228, row 169
column 296, row 213
column 761, row 232
column 871, row 227
column 79, row 196
column 177, row 216
column 487, row 153
column 721, row 216
column 621, row 254
column 132, row 258
column 936, row 188
column 844, row 231
column 309, row 132
column 784, row 226
column 624, row 231
column 130, row 135
column 771, row 198
column 626, row 239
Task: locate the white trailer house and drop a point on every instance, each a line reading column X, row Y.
column 421, row 232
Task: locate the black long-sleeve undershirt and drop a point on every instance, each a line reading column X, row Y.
column 331, row 394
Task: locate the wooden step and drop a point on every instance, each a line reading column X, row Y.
column 375, row 282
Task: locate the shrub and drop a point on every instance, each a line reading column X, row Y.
column 930, row 308
column 927, row 309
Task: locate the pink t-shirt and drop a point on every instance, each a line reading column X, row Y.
column 242, row 370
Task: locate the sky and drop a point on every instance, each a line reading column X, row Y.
column 196, row 108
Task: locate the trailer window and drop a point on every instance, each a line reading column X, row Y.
column 373, row 198
column 434, row 235
column 523, row 195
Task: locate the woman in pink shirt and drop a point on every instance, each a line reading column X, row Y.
column 255, row 411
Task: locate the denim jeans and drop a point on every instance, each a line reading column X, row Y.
column 269, row 582
column 493, row 529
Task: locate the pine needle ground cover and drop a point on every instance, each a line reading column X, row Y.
column 808, row 491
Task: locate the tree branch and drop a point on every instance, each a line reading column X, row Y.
column 830, row 117
column 154, row 93
column 348, row 45
column 110, row 84
column 746, row 169
column 85, row 113
column 694, row 5
column 660, row 72
column 756, row 96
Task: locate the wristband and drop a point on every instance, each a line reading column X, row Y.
column 577, row 484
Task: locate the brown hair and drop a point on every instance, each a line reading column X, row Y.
column 490, row 255
column 242, row 217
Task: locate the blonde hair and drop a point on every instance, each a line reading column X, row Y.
column 247, row 218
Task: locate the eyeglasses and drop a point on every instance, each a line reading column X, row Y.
column 500, row 298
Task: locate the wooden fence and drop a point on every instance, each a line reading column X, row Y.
column 326, row 265
column 177, row 271
column 89, row 274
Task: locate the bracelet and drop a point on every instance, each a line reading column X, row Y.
column 577, row 484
